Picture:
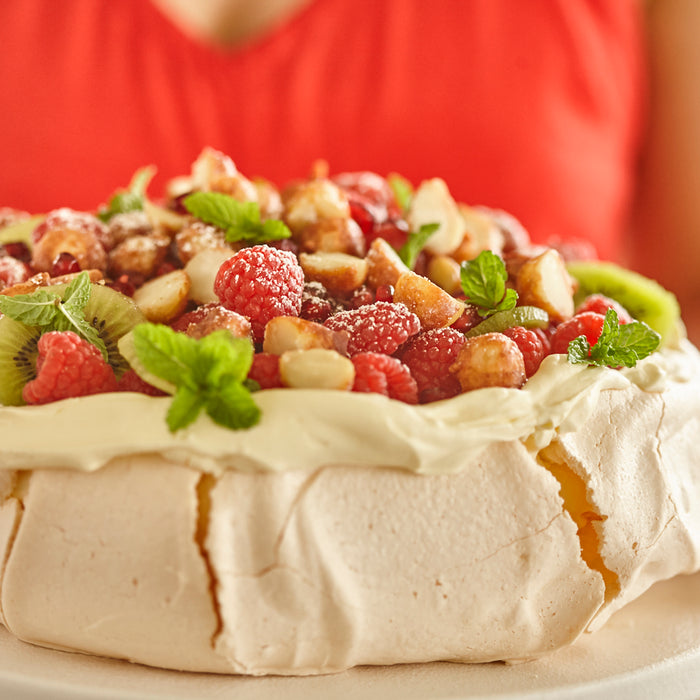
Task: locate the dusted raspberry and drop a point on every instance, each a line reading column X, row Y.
column 316, row 303
column 260, row 283
column 381, row 374
column 587, row 323
column 265, row 370
column 212, row 317
column 429, row 356
column 599, row 303
column 68, row 366
column 362, row 296
column 12, row 271
column 531, row 346
column 130, row 381
column 379, row 327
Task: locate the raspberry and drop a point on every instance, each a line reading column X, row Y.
column 260, row 283
column 380, row 327
column 429, row 356
column 316, row 303
column 587, row 323
column 599, row 303
column 265, row 370
column 381, row 374
column 531, row 346
column 130, row 381
column 68, row 366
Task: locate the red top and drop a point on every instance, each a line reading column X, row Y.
column 534, row 107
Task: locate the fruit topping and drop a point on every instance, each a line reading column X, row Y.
column 379, row 327
column 67, row 366
column 381, row 374
column 643, row 298
column 260, row 283
column 351, row 282
column 429, row 356
column 489, row 360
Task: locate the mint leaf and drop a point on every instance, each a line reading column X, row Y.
column 239, row 220
column 415, row 243
column 619, row 345
column 184, row 408
column 169, row 355
column 483, row 281
column 209, row 373
column 48, row 311
column 402, row 189
column 35, row 309
column 131, row 198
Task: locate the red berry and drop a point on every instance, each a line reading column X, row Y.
column 587, row 323
column 130, row 381
column 68, row 366
column 316, row 303
column 385, row 292
column 361, row 296
column 64, row 264
column 599, row 303
column 265, row 370
column 380, row 327
column 469, row 318
column 261, row 283
column 381, row 374
column 429, row 356
column 531, row 346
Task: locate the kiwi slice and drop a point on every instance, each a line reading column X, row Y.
column 20, row 231
column 111, row 313
column 525, row 316
column 644, row 298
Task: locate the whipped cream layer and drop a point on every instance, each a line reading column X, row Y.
column 306, row 429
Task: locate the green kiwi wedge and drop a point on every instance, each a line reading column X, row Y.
column 20, row 231
column 644, row 298
column 525, row 316
column 112, row 314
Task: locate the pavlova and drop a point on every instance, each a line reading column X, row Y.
column 256, row 431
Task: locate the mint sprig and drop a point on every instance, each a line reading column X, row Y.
column 483, row 281
column 208, row 374
column 619, row 345
column 416, row 241
column 239, row 220
column 130, row 199
column 50, row 311
column 402, row 189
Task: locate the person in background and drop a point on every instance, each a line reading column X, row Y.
column 579, row 117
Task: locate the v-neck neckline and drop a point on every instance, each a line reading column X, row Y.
column 250, row 44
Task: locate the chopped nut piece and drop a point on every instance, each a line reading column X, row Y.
column 164, row 298
column 384, row 266
column 433, row 305
column 491, row 359
column 284, row 333
column 336, row 235
column 316, row 368
column 338, row 272
column 545, row 282
column 445, row 272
